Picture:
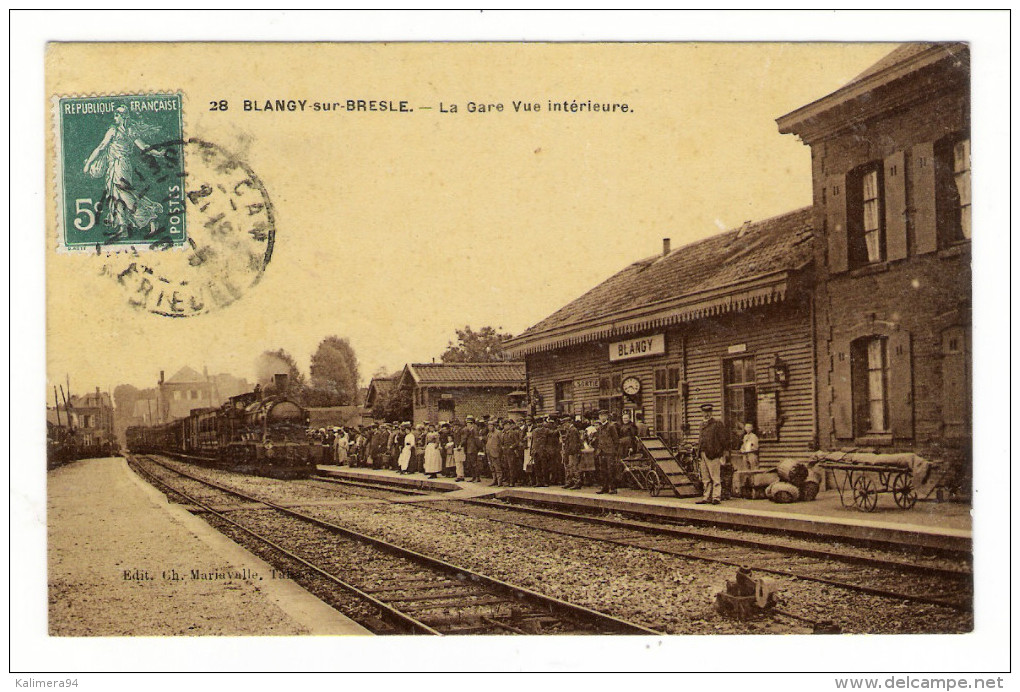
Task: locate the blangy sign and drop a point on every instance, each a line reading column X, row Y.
column 641, row 347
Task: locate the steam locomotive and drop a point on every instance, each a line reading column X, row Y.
column 249, row 433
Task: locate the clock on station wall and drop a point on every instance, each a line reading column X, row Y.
column 631, row 386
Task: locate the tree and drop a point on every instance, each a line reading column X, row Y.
column 277, row 362
column 482, row 346
column 334, row 373
column 394, row 406
column 124, row 398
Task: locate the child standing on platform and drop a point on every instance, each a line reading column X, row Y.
column 749, row 447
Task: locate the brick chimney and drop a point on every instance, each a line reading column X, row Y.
column 280, row 380
column 665, row 246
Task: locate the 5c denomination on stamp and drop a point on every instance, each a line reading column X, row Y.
column 121, row 172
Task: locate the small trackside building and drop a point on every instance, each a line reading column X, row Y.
column 890, row 156
column 725, row 321
column 442, row 392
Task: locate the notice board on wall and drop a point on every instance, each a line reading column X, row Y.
column 768, row 415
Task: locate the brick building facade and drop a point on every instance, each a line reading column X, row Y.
column 89, row 415
column 451, row 391
column 890, row 158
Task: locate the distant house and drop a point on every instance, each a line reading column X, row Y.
column 447, row 391
column 188, row 389
column 90, row 415
column 379, row 388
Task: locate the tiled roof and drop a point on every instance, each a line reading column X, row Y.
column 900, row 54
column 185, row 375
column 781, row 243
column 91, row 400
column 510, row 374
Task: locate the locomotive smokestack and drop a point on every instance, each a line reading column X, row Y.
column 665, row 246
column 280, row 380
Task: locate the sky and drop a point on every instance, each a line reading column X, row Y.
column 393, row 230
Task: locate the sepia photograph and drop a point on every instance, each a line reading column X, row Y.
column 369, row 342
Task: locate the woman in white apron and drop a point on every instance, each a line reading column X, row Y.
column 407, row 453
column 341, row 443
column 433, row 457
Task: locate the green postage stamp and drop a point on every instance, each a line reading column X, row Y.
column 121, row 172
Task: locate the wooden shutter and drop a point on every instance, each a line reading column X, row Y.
column 895, row 207
column 842, row 406
column 955, row 382
column 835, row 222
column 901, row 385
column 923, row 174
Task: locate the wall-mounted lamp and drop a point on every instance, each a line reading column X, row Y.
column 779, row 372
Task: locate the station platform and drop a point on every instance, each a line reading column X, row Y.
column 122, row 561
column 930, row 524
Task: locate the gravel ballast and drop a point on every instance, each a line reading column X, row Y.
column 661, row 591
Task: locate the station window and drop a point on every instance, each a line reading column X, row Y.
column 564, row 395
column 668, row 406
column 952, row 180
column 866, row 215
column 741, row 394
column 610, row 394
column 869, row 377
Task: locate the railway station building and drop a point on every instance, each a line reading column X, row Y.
column 723, row 321
column 843, row 325
column 890, row 156
column 443, row 392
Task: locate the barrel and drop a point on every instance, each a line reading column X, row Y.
column 792, row 471
column 782, row 492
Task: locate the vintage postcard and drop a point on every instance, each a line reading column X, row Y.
column 509, row 339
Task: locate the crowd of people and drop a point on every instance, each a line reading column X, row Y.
column 568, row 451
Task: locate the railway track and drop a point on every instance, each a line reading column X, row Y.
column 385, row 587
column 920, row 581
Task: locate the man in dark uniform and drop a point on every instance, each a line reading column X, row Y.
column 513, row 453
column 570, row 439
column 472, row 445
column 712, row 443
column 640, row 425
column 494, row 453
column 539, row 444
column 554, row 460
column 628, row 436
column 607, row 449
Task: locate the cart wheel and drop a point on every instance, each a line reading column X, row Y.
column 865, row 494
column 902, row 491
column 654, row 484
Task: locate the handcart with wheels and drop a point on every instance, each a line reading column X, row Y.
column 860, row 476
column 636, row 470
column 859, row 485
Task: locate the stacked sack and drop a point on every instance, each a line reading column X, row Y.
column 796, row 482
